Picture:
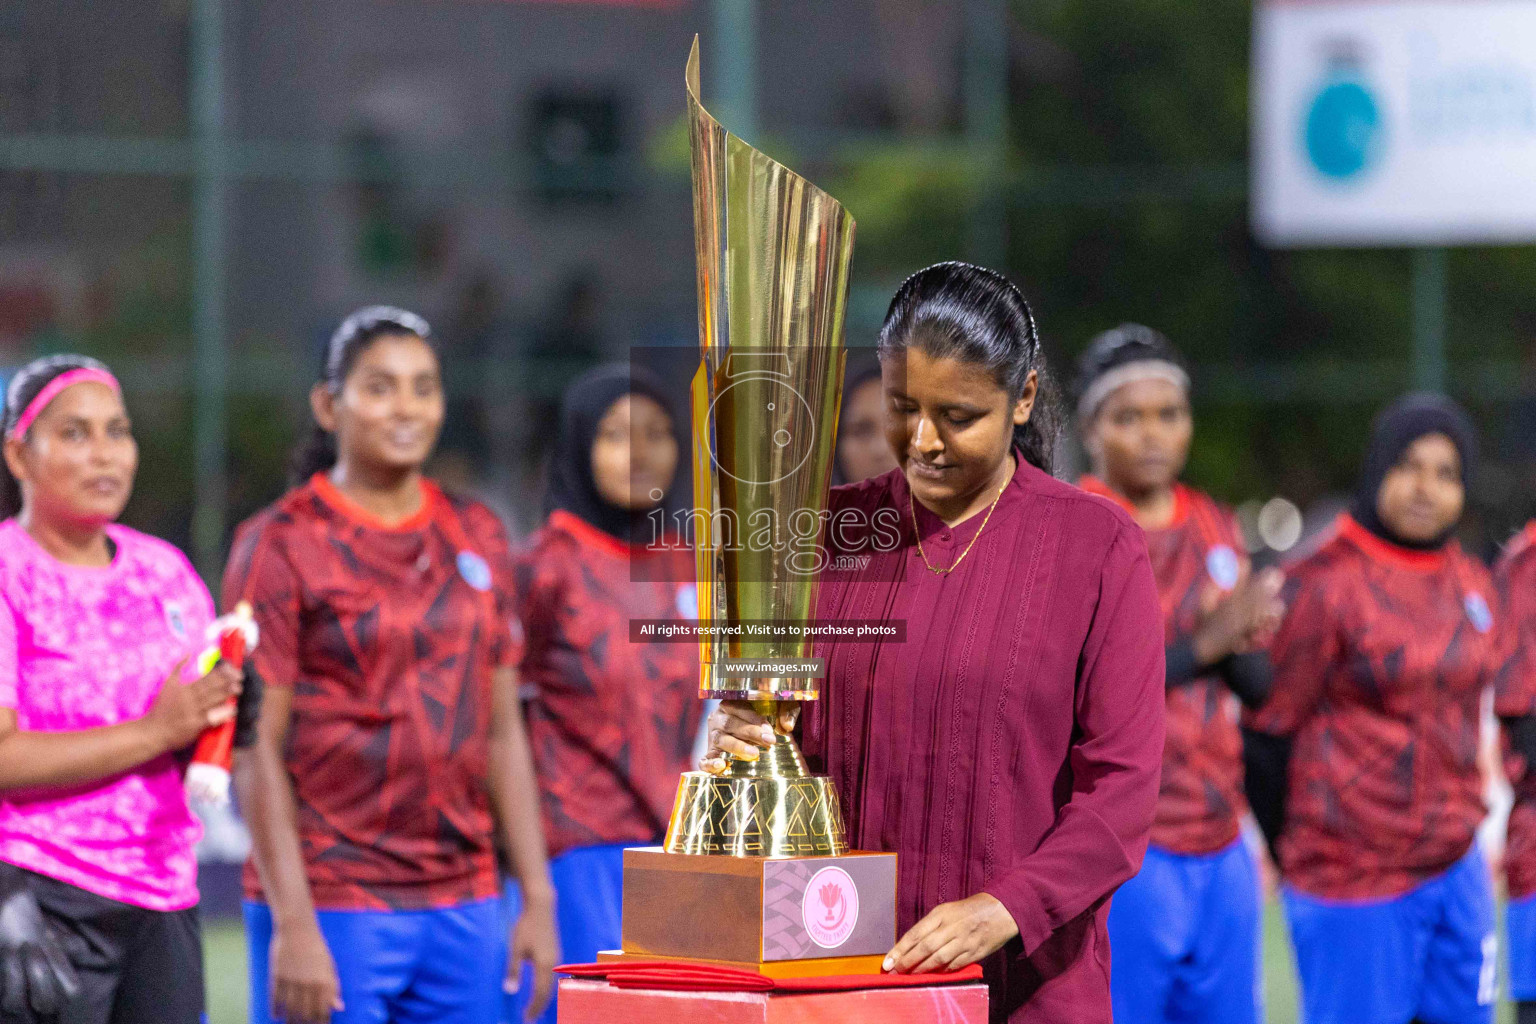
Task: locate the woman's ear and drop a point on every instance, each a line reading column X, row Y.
column 1091, row 446
column 13, row 462
column 1026, row 403
column 322, row 403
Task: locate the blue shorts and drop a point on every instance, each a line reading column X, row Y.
column 1430, row 954
column 1520, row 939
column 399, row 966
column 1184, row 940
column 589, row 890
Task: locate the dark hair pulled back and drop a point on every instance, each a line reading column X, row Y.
column 350, row 340
column 1119, row 346
column 26, row 385
column 961, row 311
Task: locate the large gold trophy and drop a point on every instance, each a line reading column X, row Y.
column 756, row 869
column 773, row 258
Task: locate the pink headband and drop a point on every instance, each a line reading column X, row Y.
column 52, row 389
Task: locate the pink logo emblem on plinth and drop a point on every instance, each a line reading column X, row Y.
column 830, row 907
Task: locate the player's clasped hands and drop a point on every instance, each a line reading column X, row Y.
column 1240, row 620
column 737, row 729
column 181, row 711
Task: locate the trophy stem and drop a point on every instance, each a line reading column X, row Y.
column 783, row 760
column 770, row 806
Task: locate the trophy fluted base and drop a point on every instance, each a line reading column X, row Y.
column 763, row 816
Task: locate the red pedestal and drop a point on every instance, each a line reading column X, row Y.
column 597, row 1002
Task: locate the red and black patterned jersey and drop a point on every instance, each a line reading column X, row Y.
column 612, row 722
column 388, row 637
column 1200, row 800
column 1380, row 668
column 1514, row 696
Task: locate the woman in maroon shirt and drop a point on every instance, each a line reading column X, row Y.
column 1009, row 748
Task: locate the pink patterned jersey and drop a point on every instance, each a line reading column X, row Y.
column 82, row 648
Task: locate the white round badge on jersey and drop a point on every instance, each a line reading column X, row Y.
column 688, row 601
column 474, row 570
column 176, row 619
column 1478, row 611
column 1221, row 562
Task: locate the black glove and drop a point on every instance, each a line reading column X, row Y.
column 248, row 709
column 35, row 973
column 1522, row 740
column 1180, row 661
column 1250, row 676
column 1267, row 781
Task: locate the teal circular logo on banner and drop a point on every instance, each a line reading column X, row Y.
column 1342, row 132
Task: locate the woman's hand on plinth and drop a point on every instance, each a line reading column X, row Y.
column 737, row 729
column 952, row 936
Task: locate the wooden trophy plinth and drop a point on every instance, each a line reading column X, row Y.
column 781, row 916
column 597, row 1002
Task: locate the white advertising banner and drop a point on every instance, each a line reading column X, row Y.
column 1394, row 122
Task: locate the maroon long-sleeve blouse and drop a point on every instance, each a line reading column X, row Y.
column 1013, row 742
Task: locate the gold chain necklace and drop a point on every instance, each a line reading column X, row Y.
column 917, row 532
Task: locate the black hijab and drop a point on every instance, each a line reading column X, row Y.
column 1396, row 428
column 585, row 403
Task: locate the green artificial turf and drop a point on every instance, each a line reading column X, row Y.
column 224, row 943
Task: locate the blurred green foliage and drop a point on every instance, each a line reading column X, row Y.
column 1126, row 199
column 1123, row 192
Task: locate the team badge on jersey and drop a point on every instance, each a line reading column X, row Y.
column 688, row 601
column 1477, row 611
column 474, row 570
column 1222, row 564
column 176, row 619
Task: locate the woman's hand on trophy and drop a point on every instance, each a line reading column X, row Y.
column 738, row 730
column 953, row 935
